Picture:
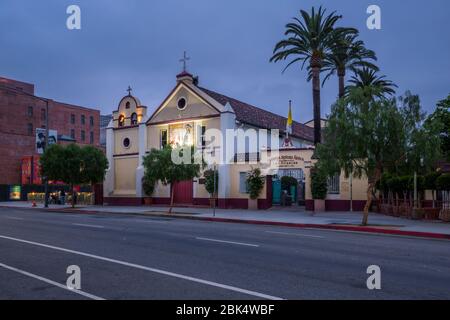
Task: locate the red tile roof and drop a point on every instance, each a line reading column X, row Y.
column 261, row 118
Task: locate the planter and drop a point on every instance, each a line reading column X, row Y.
column 252, row 204
column 148, row 201
column 432, row 213
column 319, row 205
column 445, row 215
column 417, row 214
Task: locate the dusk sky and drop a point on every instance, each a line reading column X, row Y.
column 139, row 43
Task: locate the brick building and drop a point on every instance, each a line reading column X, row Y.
column 22, row 113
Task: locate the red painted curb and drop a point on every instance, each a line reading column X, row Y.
column 372, row 230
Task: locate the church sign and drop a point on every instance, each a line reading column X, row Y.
column 288, row 162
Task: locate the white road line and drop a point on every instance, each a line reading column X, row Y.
column 88, row 225
column 13, row 218
column 56, row 284
column 159, row 271
column 296, row 234
column 230, row 242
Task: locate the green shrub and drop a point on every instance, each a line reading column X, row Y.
column 255, row 182
column 209, row 181
column 319, row 184
column 148, row 185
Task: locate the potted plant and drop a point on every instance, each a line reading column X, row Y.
column 443, row 184
column 255, row 183
column 319, row 189
column 212, row 185
column 148, row 186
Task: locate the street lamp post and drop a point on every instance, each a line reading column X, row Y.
column 47, row 132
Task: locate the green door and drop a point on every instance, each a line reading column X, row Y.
column 276, row 192
column 293, row 193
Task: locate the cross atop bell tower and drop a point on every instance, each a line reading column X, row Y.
column 184, row 60
column 129, row 90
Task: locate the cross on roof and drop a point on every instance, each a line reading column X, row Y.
column 129, row 90
column 185, row 59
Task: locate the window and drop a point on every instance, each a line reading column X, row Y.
column 334, row 185
column 182, row 103
column 91, row 121
column 83, row 119
column 121, row 120
column 126, row 143
column 203, row 137
column 30, row 129
column 43, row 115
column 72, row 134
column 163, row 138
column 30, row 111
column 91, row 138
column 72, row 119
column 83, row 135
column 127, row 105
column 134, row 120
column 243, row 186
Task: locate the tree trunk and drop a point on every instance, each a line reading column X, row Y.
column 432, row 196
column 171, row 198
column 341, row 78
column 73, row 195
column 372, row 183
column 316, row 103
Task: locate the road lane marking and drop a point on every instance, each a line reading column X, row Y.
column 13, row 218
column 296, row 234
column 140, row 267
column 230, row 242
column 56, row 284
column 88, row 225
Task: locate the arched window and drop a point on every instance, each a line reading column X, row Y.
column 121, row 120
column 127, row 105
column 134, row 119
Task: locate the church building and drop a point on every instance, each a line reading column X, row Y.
column 184, row 118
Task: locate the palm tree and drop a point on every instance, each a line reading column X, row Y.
column 371, row 83
column 348, row 53
column 310, row 39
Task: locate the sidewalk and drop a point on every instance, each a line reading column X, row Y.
column 290, row 217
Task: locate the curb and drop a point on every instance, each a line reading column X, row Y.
column 371, row 230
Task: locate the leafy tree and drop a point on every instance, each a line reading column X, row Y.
column 211, row 181
column 74, row 165
column 159, row 166
column 372, row 84
column 347, row 53
column 440, row 120
column 310, row 39
column 52, row 162
column 367, row 137
column 255, row 182
column 93, row 165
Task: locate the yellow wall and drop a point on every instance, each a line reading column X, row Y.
column 195, row 108
column 125, row 176
column 235, row 173
column 120, row 135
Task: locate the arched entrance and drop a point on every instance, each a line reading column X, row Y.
column 292, row 183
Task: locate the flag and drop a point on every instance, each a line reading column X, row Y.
column 289, row 120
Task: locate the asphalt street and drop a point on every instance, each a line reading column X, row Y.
column 135, row 257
